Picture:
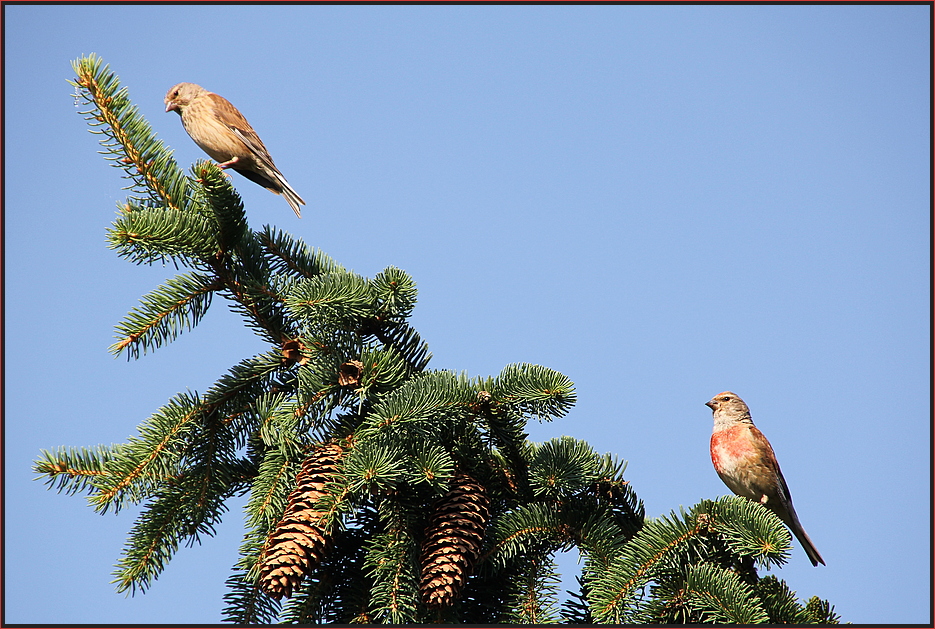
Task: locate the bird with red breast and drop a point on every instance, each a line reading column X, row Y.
column 746, row 463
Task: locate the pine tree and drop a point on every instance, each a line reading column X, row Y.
column 380, row 490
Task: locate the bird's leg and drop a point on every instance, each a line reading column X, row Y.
column 229, row 162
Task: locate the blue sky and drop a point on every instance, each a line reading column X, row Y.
column 661, row 202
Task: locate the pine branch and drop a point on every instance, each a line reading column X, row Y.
column 614, row 492
column 373, row 468
column 562, row 467
column 489, row 596
column 147, row 235
column 748, row 529
column 391, row 564
column 535, row 592
column 182, row 510
column 344, row 298
column 74, row 470
column 594, row 530
column 146, row 461
column 270, row 491
column 229, row 213
column 247, row 281
column 419, row 400
column 281, row 427
column 405, row 340
column 506, row 431
column 523, row 531
column 246, row 604
column 779, row 602
column 729, row 534
column 647, row 555
column 186, row 505
column 395, row 293
column 246, row 380
column 720, row 596
column 534, row 390
column 575, row 610
column 821, row 612
column 430, row 463
column 167, row 437
column 382, row 371
column 334, row 592
column 174, row 307
column 289, row 256
column 338, row 590
column 128, row 141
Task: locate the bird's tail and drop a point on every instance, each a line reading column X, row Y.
column 273, row 181
column 809, row 547
column 796, row 527
column 292, row 197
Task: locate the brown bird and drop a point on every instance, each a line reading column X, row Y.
column 223, row 133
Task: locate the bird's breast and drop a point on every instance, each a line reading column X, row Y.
column 213, row 137
column 730, row 447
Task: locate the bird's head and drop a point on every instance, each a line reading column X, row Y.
column 729, row 404
column 181, row 95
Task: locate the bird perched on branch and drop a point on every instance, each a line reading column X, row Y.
column 223, row 133
column 745, row 462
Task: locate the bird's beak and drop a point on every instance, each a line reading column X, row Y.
column 710, row 404
column 171, row 106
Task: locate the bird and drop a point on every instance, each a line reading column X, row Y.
column 223, row 133
column 745, row 461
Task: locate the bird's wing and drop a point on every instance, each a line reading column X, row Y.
column 782, row 486
column 228, row 115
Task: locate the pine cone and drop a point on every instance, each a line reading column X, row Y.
column 453, row 540
column 297, row 544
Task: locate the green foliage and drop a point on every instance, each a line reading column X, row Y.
column 164, row 314
column 562, row 467
column 533, row 596
column 73, row 470
column 145, row 235
column 575, row 610
column 128, row 140
column 820, row 612
column 392, row 565
column 698, row 567
column 344, row 367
